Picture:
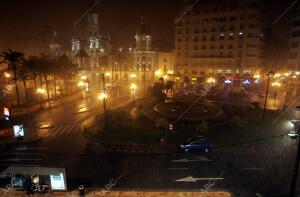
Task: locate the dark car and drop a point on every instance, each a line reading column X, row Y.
column 198, row 143
column 297, row 108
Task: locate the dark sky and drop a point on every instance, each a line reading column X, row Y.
column 119, row 18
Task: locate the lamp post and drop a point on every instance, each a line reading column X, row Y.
column 133, row 88
column 103, row 95
column 269, row 75
column 144, row 68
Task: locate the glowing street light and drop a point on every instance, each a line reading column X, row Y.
column 7, row 75
column 80, row 84
column 211, row 80
column 40, row 91
column 256, row 76
column 158, row 73
column 133, row 88
column 133, row 76
column 170, row 72
column 107, row 74
column 102, row 96
column 166, row 77
column 83, row 77
column 276, row 84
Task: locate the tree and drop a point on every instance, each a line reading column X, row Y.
column 24, row 75
column 66, row 69
column 46, row 68
column 14, row 60
column 32, row 65
column 168, row 86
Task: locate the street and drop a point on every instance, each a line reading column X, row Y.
column 265, row 167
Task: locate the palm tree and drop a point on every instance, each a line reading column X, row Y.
column 24, row 74
column 46, row 67
column 13, row 59
column 32, row 65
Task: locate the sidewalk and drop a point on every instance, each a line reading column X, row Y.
column 55, row 102
column 107, row 193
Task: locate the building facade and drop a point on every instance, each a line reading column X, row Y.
column 293, row 63
column 219, row 38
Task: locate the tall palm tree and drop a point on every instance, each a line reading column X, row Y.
column 32, row 65
column 14, row 59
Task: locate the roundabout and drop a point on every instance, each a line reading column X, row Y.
column 200, row 111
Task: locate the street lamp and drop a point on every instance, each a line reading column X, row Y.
column 211, row 80
column 7, row 75
column 103, row 95
column 40, row 92
column 133, row 88
column 158, row 73
column 269, row 75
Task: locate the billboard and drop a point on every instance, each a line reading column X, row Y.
column 18, row 130
column 58, row 182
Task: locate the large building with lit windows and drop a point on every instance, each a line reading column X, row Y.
column 94, row 55
column 293, row 63
column 219, row 38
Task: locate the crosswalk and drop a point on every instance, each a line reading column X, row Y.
column 59, row 130
column 22, row 155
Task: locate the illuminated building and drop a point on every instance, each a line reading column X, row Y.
column 293, row 63
column 219, row 38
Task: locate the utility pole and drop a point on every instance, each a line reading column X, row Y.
column 271, row 73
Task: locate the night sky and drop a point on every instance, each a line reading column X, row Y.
column 118, row 18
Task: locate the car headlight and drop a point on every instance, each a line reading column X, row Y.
column 182, row 146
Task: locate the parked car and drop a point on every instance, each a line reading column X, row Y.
column 198, row 143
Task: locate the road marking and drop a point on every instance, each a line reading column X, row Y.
column 194, row 180
column 18, row 153
column 185, row 160
column 54, row 131
column 29, row 148
column 73, row 128
column 22, row 159
column 253, row 168
column 21, row 165
column 177, row 168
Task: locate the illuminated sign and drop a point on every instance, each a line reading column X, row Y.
column 6, row 113
column 58, row 182
column 227, row 81
column 246, row 82
column 194, row 78
column 18, row 130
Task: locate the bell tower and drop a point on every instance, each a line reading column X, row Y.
column 143, row 37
